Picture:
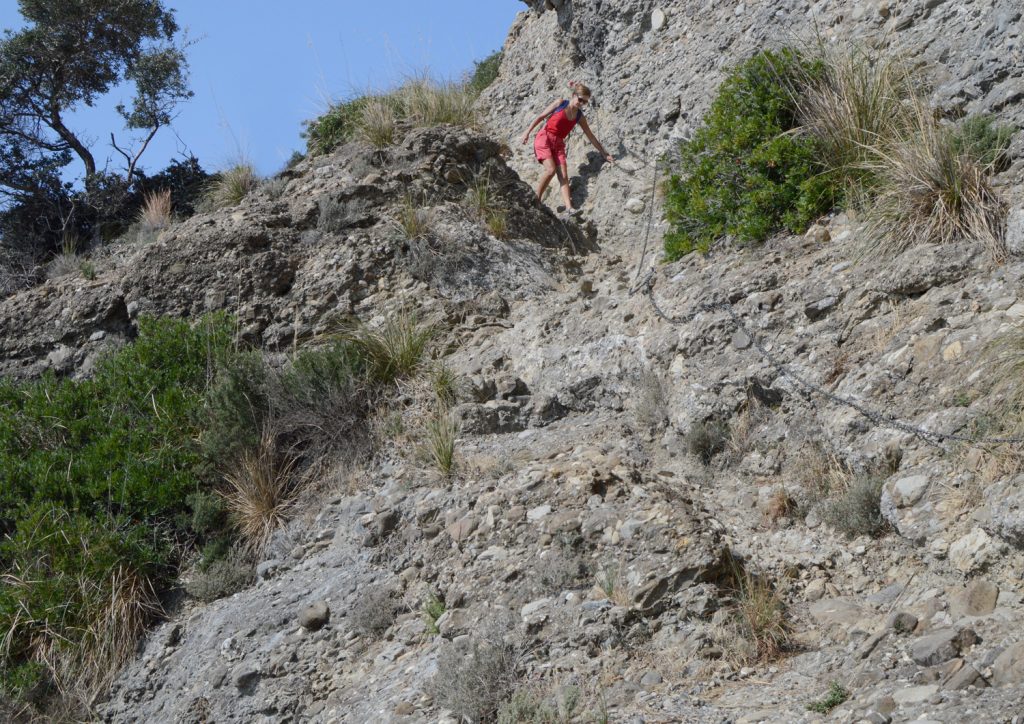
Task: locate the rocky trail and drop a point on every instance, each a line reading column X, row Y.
column 580, row 513
column 625, row 484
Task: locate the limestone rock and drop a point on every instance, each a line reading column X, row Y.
column 314, row 616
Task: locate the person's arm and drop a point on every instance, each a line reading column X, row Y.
column 547, row 112
column 593, row 139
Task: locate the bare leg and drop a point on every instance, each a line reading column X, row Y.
column 563, row 181
column 545, row 177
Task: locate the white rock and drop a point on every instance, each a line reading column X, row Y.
column 535, row 514
column 635, row 206
column 658, row 19
column 973, row 551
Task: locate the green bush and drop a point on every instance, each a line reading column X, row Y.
column 484, row 73
column 836, row 695
column 983, row 140
column 744, row 173
column 97, row 480
column 339, row 124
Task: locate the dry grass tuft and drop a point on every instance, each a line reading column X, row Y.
column 758, row 628
column 475, row 677
column 855, row 101
column 483, row 203
column 378, row 122
column 930, row 191
column 394, row 350
column 442, row 429
column 156, row 212
column 430, row 103
column 260, row 488
column 414, row 219
column 231, row 186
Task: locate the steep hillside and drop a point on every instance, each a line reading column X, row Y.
column 764, row 484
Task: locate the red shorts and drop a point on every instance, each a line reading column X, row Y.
column 547, row 145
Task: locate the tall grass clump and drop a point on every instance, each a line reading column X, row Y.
column 228, row 188
column 157, row 210
column 851, row 102
column 758, row 628
column 414, row 219
column 921, row 180
column 930, row 191
column 429, row 102
column 259, row 494
column 378, row 121
column 746, row 173
column 392, row 350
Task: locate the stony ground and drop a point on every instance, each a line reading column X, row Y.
column 578, row 511
column 582, row 522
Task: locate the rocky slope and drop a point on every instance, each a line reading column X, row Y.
column 580, row 521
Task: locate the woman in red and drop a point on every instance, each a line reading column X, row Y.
column 549, row 145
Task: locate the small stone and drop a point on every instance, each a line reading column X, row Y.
column 658, row 19
column 651, row 678
column 1008, row 668
column 973, row 551
column 462, row 528
column 953, row 351
column 635, row 206
column 535, row 514
column 914, row 695
column 902, row 622
column 815, row 589
column 587, row 286
column 818, row 234
column 404, row 708
column 941, row 646
column 740, row 339
column 966, row 676
column 978, row 599
column 246, row 677
column 314, row 616
column 907, row 491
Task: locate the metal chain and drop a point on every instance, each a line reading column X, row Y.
column 645, row 283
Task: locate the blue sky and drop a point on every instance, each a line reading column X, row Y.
column 259, row 70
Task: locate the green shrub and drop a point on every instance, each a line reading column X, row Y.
column 744, row 173
column 339, row 124
column 97, row 478
column 836, row 695
column 484, row 73
column 981, row 138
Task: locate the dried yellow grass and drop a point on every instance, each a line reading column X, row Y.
column 260, row 491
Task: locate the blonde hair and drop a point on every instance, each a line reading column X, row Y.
column 579, row 89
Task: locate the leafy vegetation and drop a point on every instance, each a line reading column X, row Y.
column 744, row 173
column 178, row 442
column 790, row 135
column 375, row 118
column 484, row 73
column 96, row 479
column 835, row 696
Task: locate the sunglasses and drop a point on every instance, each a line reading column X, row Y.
column 583, row 101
